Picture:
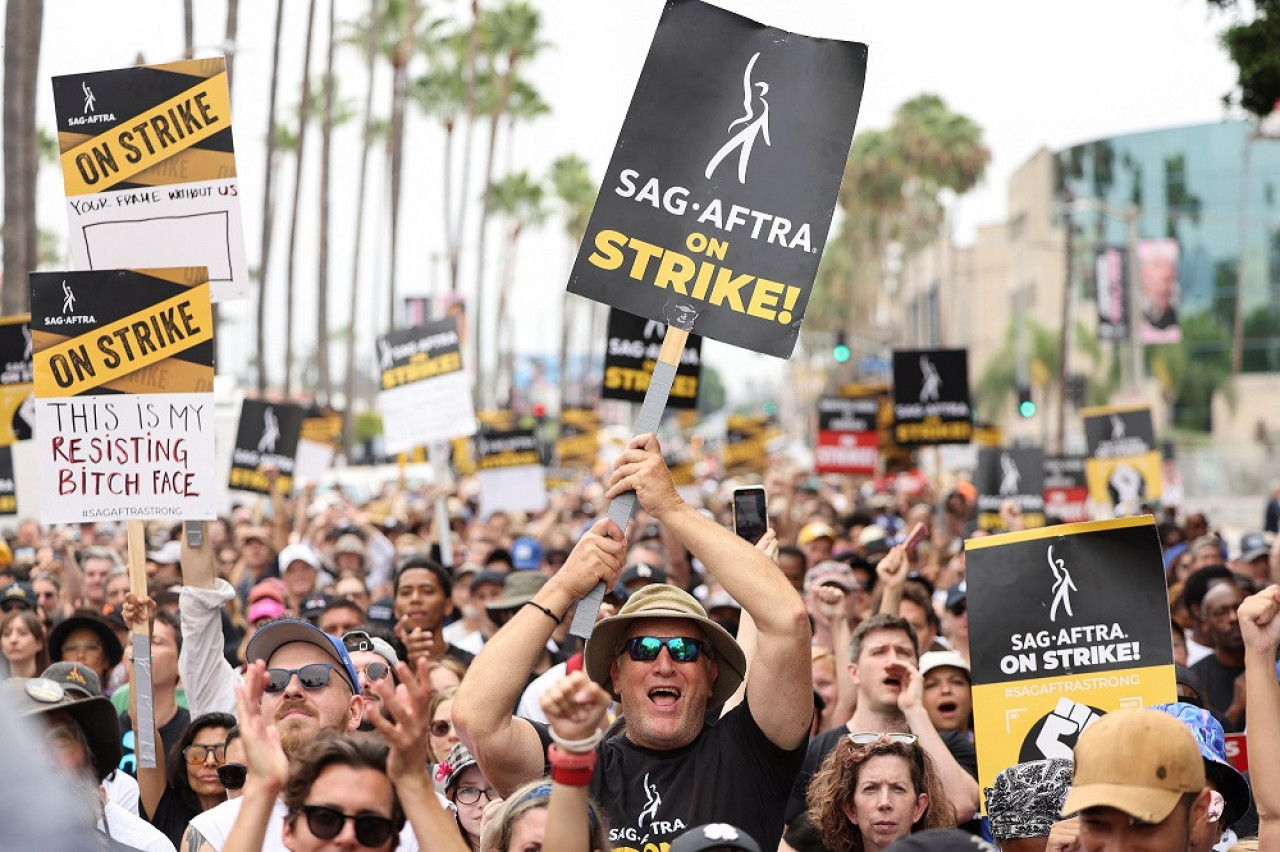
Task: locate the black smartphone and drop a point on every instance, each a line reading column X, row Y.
column 750, row 513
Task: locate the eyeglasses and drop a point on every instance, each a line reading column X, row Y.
column 325, row 823
column 441, row 728
column 232, row 775
column 374, row 671
column 470, row 795
column 198, row 754
column 312, row 676
column 645, row 649
column 871, row 737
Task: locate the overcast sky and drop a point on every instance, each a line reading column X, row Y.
column 1030, row 74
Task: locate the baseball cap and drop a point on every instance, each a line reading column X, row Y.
column 831, row 573
column 169, row 553
column 279, row 633
column 265, row 608
column 74, row 677
column 526, row 553
column 643, row 573
column 271, row 587
column 941, row 840
column 360, row 640
column 314, row 606
column 298, row 553
column 518, row 588
column 956, row 594
column 715, row 835
column 349, row 543
column 813, row 531
column 931, row 660
column 479, row 578
column 1140, row 762
column 381, row 613
column 17, row 595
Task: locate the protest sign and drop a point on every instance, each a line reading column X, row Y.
column 717, row 201
column 1161, row 293
column 1111, row 273
column 578, row 446
column 425, row 394
column 746, row 447
column 848, row 439
column 123, row 376
column 149, row 169
column 17, row 408
column 318, row 443
column 931, row 397
column 1124, row 468
column 1066, row 623
column 268, row 434
column 1066, row 491
column 632, row 353
column 8, row 486
column 1015, row 473
column 508, row 465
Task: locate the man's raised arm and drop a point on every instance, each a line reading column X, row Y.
column 779, row 688
column 506, row 747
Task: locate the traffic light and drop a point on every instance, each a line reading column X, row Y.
column 840, row 352
column 1026, row 405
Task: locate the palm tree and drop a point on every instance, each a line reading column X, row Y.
column 23, row 22
column 370, row 44
column 229, row 39
column 324, row 381
column 521, row 201
column 304, row 121
column 400, row 57
column 509, row 37
column 268, row 202
column 572, row 186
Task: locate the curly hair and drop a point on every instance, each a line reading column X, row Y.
column 334, row 749
column 835, row 781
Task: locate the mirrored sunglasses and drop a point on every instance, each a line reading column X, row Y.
column 644, row 649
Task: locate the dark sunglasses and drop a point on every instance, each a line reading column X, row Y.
column 312, row 676
column 960, row 608
column 325, row 823
column 441, row 727
column 375, row 671
column 645, row 649
column 198, row 754
column 232, row 775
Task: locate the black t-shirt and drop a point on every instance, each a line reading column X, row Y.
column 731, row 773
column 820, row 746
column 171, row 816
column 171, row 732
column 1219, row 683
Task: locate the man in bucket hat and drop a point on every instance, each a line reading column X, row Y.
column 670, row 668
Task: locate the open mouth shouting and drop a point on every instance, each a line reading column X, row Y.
column 664, row 697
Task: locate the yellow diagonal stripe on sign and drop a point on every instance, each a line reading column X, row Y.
column 117, row 349
column 148, row 138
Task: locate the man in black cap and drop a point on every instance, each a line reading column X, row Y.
column 82, row 742
column 17, row 595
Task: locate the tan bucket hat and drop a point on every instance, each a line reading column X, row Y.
column 663, row 601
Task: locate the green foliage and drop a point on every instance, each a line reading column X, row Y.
column 711, row 391
column 1254, row 47
column 573, row 187
column 519, row 197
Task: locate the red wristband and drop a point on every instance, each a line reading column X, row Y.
column 570, row 769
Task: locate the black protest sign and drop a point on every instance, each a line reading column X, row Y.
column 931, row 397
column 1066, row 490
column 8, row 489
column 268, row 434
column 578, row 445
column 1111, row 274
column 629, row 359
column 716, row 205
column 848, row 437
column 747, row 438
column 506, row 448
column 1016, row 474
column 1117, row 431
column 1065, row 623
column 17, row 413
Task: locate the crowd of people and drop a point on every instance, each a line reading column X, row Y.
column 324, row 680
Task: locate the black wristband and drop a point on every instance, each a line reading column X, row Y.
column 551, row 615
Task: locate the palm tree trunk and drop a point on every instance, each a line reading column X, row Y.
column 268, row 203
column 232, row 31
column 22, row 25
column 503, row 365
column 304, row 119
column 366, row 142
column 189, row 28
column 459, row 223
column 566, row 332
column 399, row 96
column 324, row 382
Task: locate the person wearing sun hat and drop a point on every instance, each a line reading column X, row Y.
column 671, row 668
column 1232, row 794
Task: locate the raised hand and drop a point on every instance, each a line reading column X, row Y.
column 575, row 706
column 264, row 756
column 1259, row 625
column 641, row 468
column 409, row 705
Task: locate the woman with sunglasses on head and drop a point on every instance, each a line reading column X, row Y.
column 342, row 791
column 185, row 781
column 874, row 789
